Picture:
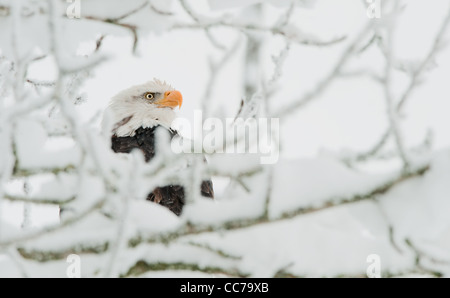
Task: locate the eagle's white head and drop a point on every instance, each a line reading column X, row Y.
column 146, row 105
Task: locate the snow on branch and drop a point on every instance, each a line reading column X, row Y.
column 101, row 196
column 397, row 106
column 282, row 27
column 328, row 79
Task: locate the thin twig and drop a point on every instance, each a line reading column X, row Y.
column 415, row 76
column 329, row 78
column 43, row 201
column 391, row 111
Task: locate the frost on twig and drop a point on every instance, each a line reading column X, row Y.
column 266, row 210
column 396, row 107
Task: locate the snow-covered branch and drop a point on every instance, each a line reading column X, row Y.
column 288, row 219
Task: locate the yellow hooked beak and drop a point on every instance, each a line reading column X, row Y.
column 171, row 99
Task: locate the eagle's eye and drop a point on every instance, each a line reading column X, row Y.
column 149, row 95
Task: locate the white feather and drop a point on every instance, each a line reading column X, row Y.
column 144, row 114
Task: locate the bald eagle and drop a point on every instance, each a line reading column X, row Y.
column 136, row 113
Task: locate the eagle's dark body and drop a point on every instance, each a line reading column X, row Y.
column 171, row 196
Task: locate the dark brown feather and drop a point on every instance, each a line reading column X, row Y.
column 170, row 196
